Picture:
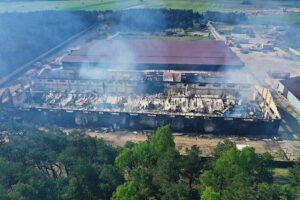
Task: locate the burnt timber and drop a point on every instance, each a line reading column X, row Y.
column 196, row 87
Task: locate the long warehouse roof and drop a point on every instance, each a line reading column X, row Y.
column 160, row 52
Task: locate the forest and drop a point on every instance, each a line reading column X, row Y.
column 226, row 17
column 46, row 164
column 151, row 20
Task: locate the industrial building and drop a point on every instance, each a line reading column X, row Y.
column 196, row 86
column 290, row 88
column 207, row 55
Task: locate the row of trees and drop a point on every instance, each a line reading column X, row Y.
column 230, row 17
column 156, row 170
column 160, row 19
column 37, row 164
column 150, row 20
column 47, row 164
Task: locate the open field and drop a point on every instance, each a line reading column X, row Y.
column 281, row 175
column 220, row 5
column 281, row 172
column 27, row 6
column 196, row 5
column 206, row 143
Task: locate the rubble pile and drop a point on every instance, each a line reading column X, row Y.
column 157, row 103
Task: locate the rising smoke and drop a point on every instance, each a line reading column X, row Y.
column 120, row 54
column 24, row 36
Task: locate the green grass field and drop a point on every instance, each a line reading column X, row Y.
column 218, row 5
column 27, row 6
column 196, row 5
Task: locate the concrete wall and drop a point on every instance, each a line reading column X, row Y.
column 280, row 87
column 185, row 124
column 293, row 100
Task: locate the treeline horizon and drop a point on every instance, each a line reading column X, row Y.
column 49, row 164
column 25, row 36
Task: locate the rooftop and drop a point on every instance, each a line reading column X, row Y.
column 293, row 85
column 208, row 53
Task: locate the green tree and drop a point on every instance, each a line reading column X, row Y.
column 83, row 183
column 222, row 147
column 50, row 165
column 10, row 173
column 22, row 191
column 294, row 174
column 192, row 165
column 235, row 174
column 210, row 194
column 3, row 194
column 140, row 154
column 162, row 140
column 153, row 168
column 126, row 160
column 175, row 191
column 168, row 168
column 109, row 179
column 294, row 178
column 143, row 178
column 267, row 191
column 129, row 191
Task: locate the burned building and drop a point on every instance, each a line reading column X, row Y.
column 289, row 87
column 196, row 86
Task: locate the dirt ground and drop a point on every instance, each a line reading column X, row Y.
column 183, row 142
column 260, row 63
column 291, row 148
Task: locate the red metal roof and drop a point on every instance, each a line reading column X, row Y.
column 293, row 85
column 163, row 52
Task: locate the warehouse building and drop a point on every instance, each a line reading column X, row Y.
column 290, row 88
column 196, row 86
column 207, row 55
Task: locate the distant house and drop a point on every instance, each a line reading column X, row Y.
column 290, row 88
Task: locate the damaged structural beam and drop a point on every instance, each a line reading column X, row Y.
column 139, row 121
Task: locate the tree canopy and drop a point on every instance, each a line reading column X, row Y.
column 48, row 164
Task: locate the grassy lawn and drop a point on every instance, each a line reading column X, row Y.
column 196, row 5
